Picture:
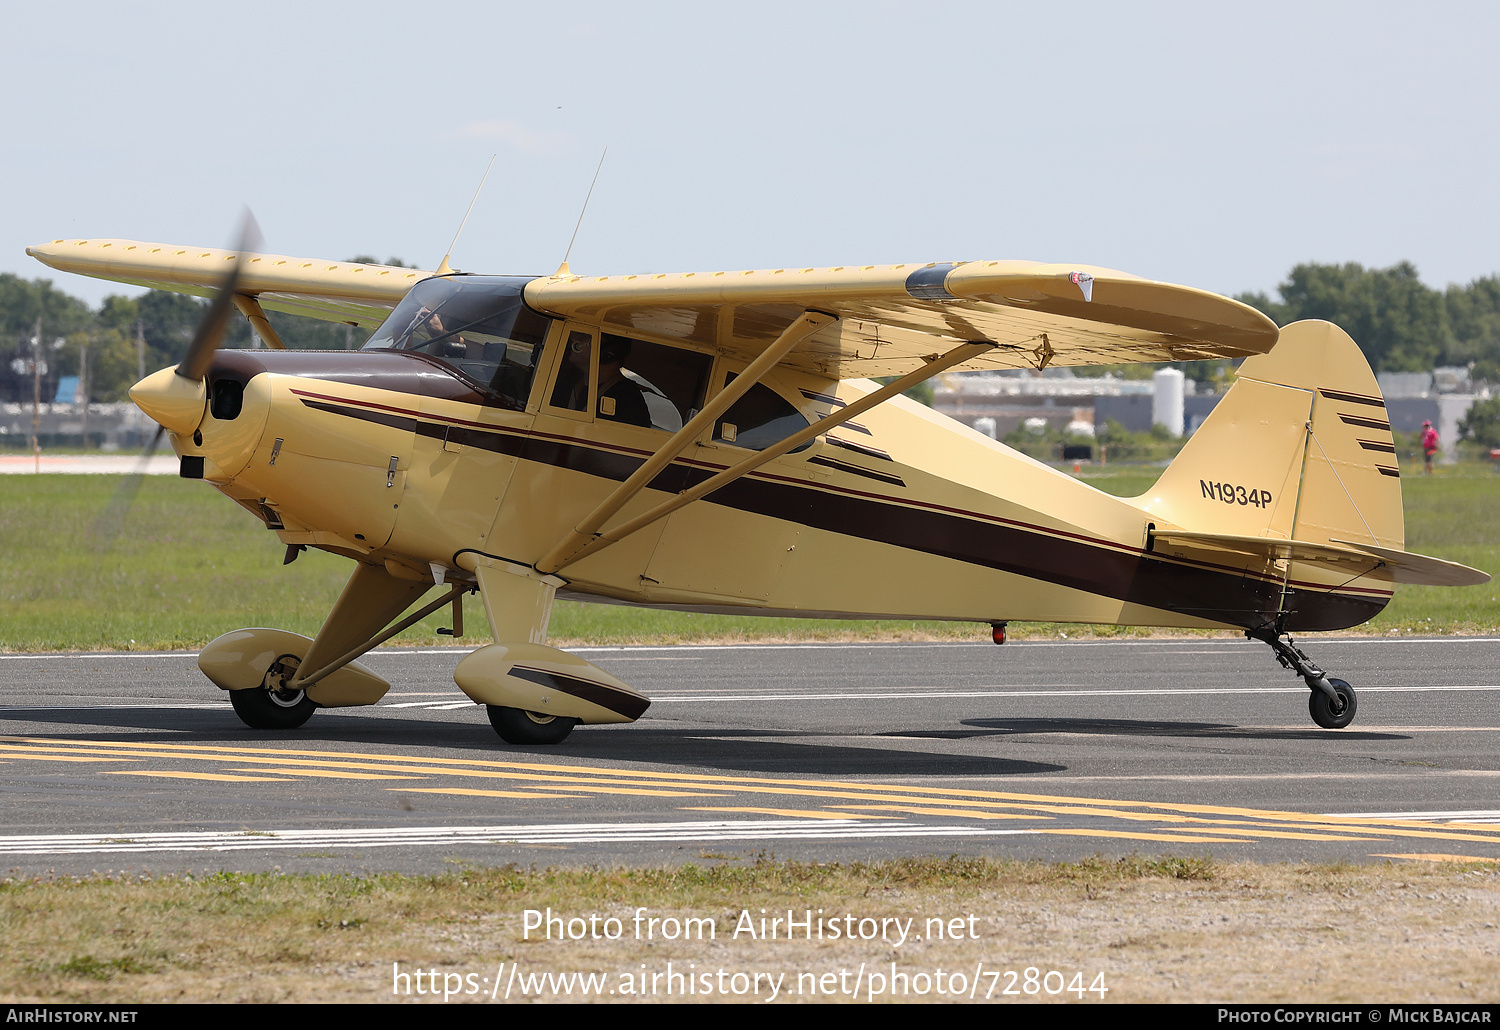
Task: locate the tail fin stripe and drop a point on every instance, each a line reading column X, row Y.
column 1375, row 445
column 1367, row 423
column 1354, row 398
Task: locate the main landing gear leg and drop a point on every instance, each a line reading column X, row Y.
column 1332, row 703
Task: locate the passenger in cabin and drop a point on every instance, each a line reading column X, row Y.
column 620, row 398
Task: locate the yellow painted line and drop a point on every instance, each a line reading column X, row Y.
column 1144, row 836
column 1486, row 834
column 964, row 813
column 69, row 758
column 596, row 783
column 335, row 774
column 1468, row 838
column 1282, row 834
column 1440, row 858
column 177, row 775
column 473, row 792
column 796, row 813
column 895, row 792
column 302, row 766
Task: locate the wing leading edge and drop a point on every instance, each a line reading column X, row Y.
column 335, row 291
column 890, row 318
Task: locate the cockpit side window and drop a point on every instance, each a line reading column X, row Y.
column 478, row 325
column 670, row 381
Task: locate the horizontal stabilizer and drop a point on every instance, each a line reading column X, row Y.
column 1407, row 567
column 1356, row 559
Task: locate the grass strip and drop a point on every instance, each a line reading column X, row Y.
column 190, row 565
column 1158, row 929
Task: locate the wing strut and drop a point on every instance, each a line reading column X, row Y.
column 567, row 548
column 956, row 356
column 251, row 309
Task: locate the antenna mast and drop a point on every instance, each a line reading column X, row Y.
column 563, row 269
column 444, row 268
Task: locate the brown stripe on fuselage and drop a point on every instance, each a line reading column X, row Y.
column 398, row 371
column 1364, row 423
column 1376, row 445
column 1222, row 594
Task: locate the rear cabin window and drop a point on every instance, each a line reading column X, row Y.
column 759, row 419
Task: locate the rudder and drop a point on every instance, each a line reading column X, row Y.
column 1300, row 448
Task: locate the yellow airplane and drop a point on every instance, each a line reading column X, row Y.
column 713, row 442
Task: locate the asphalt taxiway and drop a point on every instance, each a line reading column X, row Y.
column 1055, row 750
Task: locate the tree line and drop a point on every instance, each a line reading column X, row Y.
column 1400, row 323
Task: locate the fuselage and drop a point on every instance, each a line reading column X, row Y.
column 411, row 456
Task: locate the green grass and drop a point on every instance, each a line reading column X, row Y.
column 190, row 565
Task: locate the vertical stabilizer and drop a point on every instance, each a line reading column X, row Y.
column 1300, row 448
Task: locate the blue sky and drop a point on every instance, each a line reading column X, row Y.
column 1214, row 145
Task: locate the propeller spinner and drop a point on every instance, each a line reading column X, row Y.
column 177, row 397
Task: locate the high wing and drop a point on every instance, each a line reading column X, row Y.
column 890, row 318
column 335, row 291
column 893, row 317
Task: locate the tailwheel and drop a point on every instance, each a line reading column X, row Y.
column 1333, row 713
column 1332, row 703
column 516, row 726
column 273, row 706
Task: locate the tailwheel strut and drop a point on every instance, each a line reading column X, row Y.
column 1333, row 702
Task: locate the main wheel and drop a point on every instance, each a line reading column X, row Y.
column 517, row 726
column 1320, row 705
column 272, row 706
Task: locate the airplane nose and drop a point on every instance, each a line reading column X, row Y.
column 173, row 400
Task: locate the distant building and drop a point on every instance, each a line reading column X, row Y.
column 997, row 403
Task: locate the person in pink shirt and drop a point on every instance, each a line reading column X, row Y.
column 1429, row 445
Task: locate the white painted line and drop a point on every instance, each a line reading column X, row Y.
column 1473, row 815
column 167, row 705
column 907, row 695
column 401, row 652
column 97, row 655
column 892, row 695
column 582, row 833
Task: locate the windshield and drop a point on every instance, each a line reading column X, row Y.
column 478, row 324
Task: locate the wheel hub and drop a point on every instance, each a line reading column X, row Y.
column 280, row 673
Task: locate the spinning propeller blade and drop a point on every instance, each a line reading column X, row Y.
column 210, row 332
column 112, row 519
column 176, row 398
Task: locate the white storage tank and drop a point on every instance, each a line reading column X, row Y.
column 1166, row 404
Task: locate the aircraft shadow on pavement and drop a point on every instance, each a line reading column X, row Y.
column 800, row 753
column 1157, row 728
